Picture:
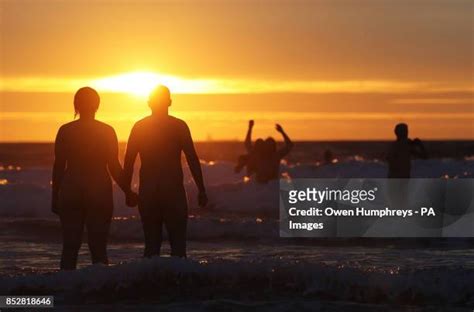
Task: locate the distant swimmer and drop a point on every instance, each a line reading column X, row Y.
column 401, row 151
column 86, row 155
column 254, row 151
column 263, row 158
column 328, row 157
column 160, row 139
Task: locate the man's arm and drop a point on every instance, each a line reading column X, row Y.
column 248, row 137
column 128, row 165
column 288, row 144
column 59, row 167
column 194, row 165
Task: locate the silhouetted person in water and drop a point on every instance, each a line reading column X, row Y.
column 86, row 154
column 254, row 151
column 328, row 157
column 264, row 158
column 160, row 139
column 401, row 151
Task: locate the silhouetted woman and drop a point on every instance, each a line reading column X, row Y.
column 86, row 155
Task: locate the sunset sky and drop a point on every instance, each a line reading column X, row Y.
column 324, row 69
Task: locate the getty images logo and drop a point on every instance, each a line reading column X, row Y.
column 312, row 194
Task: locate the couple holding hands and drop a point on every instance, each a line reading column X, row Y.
column 86, row 157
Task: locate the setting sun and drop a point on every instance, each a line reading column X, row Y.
column 311, row 149
column 141, row 83
column 329, row 74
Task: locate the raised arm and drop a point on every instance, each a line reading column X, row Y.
column 128, row 165
column 288, row 144
column 194, row 165
column 248, row 137
column 59, row 167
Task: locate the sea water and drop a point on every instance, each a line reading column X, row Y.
column 233, row 244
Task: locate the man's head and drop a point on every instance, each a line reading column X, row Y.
column 401, row 131
column 86, row 101
column 160, row 99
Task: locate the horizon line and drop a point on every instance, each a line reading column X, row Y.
column 294, row 141
column 141, row 83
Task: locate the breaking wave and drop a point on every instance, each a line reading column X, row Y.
column 26, row 192
column 160, row 279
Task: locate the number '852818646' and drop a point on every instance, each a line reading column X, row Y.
column 26, row 301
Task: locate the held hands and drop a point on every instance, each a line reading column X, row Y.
column 54, row 205
column 202, row 199
column 131, row 199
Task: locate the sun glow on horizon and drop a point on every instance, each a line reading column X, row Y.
column 142, row 83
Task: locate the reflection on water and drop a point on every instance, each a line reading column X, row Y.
column 20, row 257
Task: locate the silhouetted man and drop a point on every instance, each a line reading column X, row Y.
column 401, row 151
column 160, row 139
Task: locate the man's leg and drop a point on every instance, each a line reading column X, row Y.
column 176, row 228
column 152, row 230
column 176, row 220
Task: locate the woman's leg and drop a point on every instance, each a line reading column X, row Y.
column 72, row 224
column 98, row 224
column 97, row 240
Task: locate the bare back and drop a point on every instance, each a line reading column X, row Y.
column 87, row 147
column 159, row 141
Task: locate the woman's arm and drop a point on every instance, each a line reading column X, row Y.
column 113, row 163
column 130, row 157
column 118, row 174
column 59, row 167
